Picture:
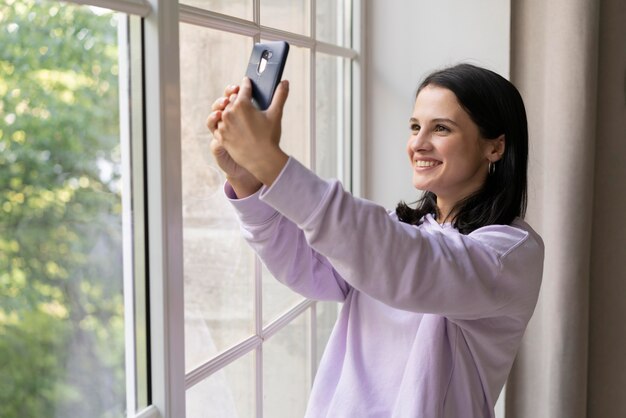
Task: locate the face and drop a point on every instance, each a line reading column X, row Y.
column 448, row 155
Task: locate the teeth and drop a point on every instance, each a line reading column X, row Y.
column 421, row 163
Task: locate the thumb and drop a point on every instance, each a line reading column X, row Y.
column 279, row 99
column 245, row 91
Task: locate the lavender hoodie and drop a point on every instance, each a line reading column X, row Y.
column 431, row 318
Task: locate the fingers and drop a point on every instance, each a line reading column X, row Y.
column 230, row 90
column 279, row 99
column 245, row 91
column 230, row 94
column 220, row 104
column 213, row 119
column 217, row 148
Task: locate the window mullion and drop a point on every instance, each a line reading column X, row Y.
column 128, row 235
column 256, row 12
column 357, row 154
column 312, row 95
column 163, row 160
column 213, row 20
column 258, row 330
column 313, row 343
column 131, row 7
column 340, row 103
column 295, row 39
column 222, row 360
column 331, row 49
column 149, row 412
column 258, row 353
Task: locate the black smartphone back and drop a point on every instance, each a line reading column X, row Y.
column 265, row 70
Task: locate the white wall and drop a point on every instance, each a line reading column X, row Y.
column 405, row 40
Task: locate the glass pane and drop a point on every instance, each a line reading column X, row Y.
column 289, row 15
column 331, row 24
column 277, row 298
column 332, row 127
column 219, row 265
column 237, row 8
column 327, row 112
column 295, row 127
column 286, row 370
column 326, row 317
column 61, row 258
column 228, row 393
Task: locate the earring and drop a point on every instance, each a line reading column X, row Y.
column 492, row 167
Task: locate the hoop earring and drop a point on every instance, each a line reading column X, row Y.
column 492, row 168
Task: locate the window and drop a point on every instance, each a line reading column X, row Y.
column 252, row 345
column 62, row 147
column 125, row 286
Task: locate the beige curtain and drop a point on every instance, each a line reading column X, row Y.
column 606, row 390
column 572, row 362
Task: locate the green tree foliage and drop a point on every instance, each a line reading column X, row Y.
column 61, row 305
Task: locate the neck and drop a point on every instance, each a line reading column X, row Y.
column 444, row 211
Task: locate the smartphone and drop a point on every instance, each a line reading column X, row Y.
column 265, row 70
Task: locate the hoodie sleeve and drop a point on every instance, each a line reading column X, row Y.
column 283, row 248
column 496, row 270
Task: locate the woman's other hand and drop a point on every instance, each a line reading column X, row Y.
column 243, row 183
column 250, row 136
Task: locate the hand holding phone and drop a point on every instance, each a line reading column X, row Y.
column 265, row 70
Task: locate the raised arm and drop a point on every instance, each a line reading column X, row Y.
column 283, row 248
column 494, row 271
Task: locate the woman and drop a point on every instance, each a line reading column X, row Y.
column 437, row 298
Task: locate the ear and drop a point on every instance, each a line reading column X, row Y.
column 495, row 148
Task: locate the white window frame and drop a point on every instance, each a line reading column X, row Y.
column 253, row 29
column 168, row 381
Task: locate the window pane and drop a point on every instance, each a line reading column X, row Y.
column 332, row 127
column 327, row 112
column 331, row 24
column 277, row 298
column 237, row 8
column 219, row 265
column 228, row 393
column 289, row 15
column 286, row 370
column 295, row 125
column 61, row 278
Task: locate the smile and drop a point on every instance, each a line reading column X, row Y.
column 424, row 163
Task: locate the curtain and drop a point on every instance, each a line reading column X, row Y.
column 572, row 360
column 607, row 331
column 553, row 63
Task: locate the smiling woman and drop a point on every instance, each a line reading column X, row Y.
column 433, row 312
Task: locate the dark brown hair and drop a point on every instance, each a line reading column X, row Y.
column 496, row 106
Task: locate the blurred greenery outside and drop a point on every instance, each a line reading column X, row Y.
column 61, row 301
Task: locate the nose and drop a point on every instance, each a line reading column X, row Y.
column 419, row 141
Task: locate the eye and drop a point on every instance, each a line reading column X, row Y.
column 441, row 128
column 414, row 127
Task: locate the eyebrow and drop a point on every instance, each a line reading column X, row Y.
column 437, row 120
